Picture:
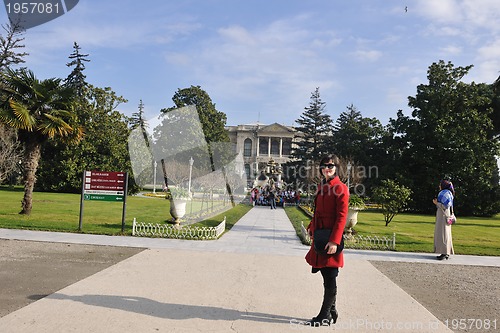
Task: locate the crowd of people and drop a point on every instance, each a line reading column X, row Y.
column 272, row 196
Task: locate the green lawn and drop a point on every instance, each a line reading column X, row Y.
column 415, row 233
column 60, row 212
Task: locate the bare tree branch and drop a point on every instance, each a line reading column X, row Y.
column 10, row 45
column 10, row 152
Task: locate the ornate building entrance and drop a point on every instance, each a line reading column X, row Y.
column 261, row 145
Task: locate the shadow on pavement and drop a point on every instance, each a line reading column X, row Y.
column 173, row 311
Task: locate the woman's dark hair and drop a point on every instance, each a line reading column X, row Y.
column 446, row 184
column 331, row 157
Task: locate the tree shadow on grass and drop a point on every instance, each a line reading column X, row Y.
column 11, row 188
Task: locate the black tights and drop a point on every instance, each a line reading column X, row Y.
column 329, row 277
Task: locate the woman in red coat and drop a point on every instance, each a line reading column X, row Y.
column 331, row 205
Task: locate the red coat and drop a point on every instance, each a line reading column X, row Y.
column 332, row 204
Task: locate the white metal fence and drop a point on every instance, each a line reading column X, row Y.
column 365, row 242
column 177, row 232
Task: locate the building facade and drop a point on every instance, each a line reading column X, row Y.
column 262, row 145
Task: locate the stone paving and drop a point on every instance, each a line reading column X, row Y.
column 253, row 279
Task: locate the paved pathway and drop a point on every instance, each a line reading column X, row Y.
column 262, row 230
column 253, row 279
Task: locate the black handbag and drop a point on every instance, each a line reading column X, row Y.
column 321, row 238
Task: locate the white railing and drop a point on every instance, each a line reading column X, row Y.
column 177, row 232
column 366, row 242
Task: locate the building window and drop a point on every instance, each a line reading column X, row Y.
column 263, row 146
column 247, row 171
column 287, row 147
column 275, row 146
column 247, row 148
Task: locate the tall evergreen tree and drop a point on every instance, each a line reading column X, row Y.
column 77, row 79
column 311, row 143
column 137, row 121
column 314, row 130
column 359, row 140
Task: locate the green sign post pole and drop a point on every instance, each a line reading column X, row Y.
column 81, row 203
column 125, row 190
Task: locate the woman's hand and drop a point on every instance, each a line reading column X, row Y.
column 435, row 201
column 331, row 248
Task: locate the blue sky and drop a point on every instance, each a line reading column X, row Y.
column 260, row 60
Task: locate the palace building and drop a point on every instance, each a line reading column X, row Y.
column 262, row 146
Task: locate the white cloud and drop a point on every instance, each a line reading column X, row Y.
column 490, row 51
column 237, row 34
column 282, row 59
column 434, row 30
column 451, row 50
column 394, row 95
column 466, row 14
column 367, row 55
column 442, row 11
column 488, row 60
column 281, row 54
column 330, row 40
column 178, row 59
column 482, row 13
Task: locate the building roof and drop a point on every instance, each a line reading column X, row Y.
column 274, row 127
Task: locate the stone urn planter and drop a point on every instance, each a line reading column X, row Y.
column 355, row 205
column 352, row 219
column 178, row 209
column 178, row 201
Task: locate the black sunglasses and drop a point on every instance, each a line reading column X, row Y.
column 329, row 166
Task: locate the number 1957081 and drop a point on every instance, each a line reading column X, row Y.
column 478, row 324
column 33, row 8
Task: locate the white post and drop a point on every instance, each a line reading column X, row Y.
column 154, row 177
column 191, row 161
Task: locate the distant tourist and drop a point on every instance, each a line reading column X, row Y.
column 331, row 202
column 253, row 196
column 443, row 242
column 272, row 198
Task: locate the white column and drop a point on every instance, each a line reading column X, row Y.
column 269, row 147
column 258, row 146
column 281, row 146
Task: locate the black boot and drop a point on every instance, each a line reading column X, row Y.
column 333, row 309
column 324, row 318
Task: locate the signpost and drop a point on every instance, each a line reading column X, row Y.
column 104, row 186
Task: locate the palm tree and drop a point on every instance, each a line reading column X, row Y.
column 38, row 111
